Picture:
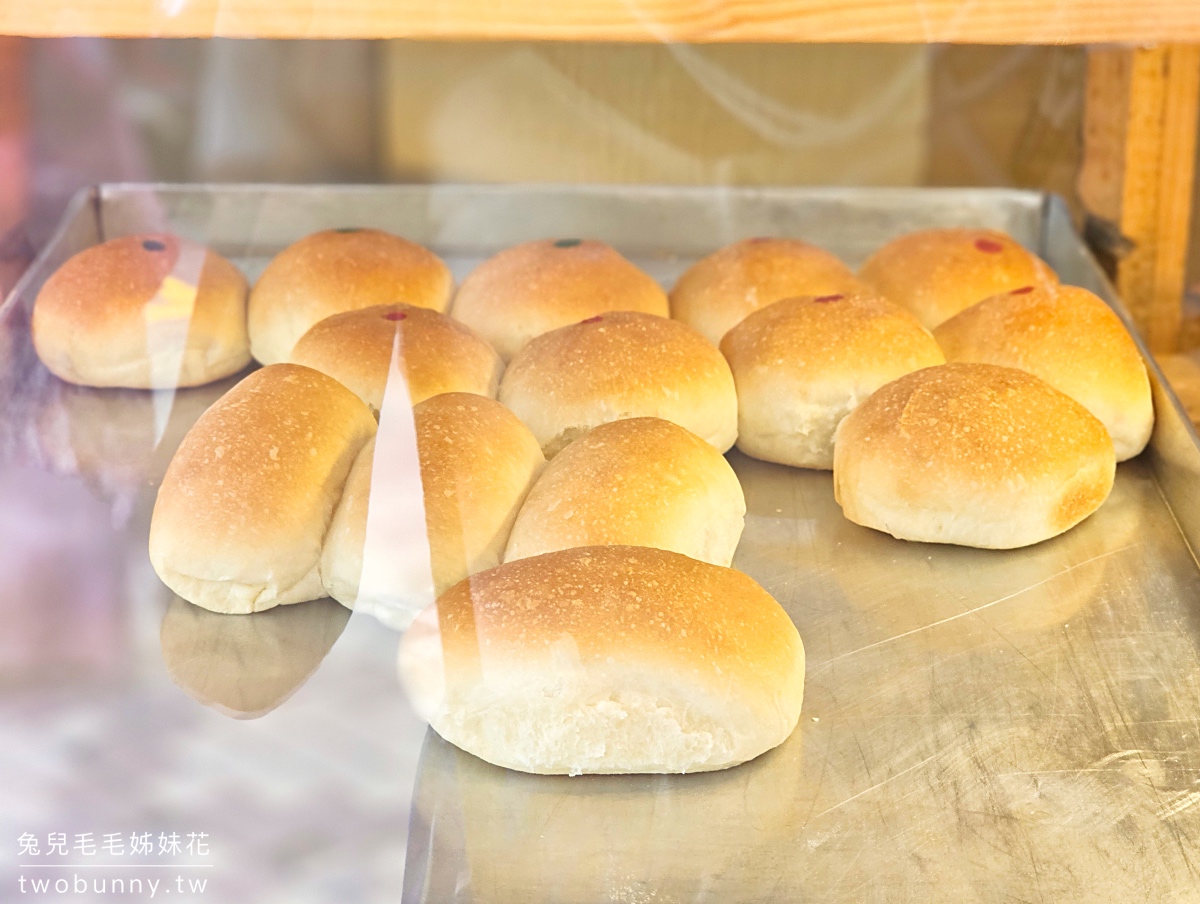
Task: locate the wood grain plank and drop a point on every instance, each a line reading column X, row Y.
column 813, row 21
column 1140, row 144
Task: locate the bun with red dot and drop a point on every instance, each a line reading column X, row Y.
column 437, row 354
column 803, row 364
column 1072, row 340
column 936, row 273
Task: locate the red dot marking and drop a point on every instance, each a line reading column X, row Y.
column 394, row 315
column 1024, row 290
column 759, row 239
column 824, row 298
column 595, row 319
column 989, row 246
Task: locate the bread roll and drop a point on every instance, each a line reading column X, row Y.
column 971, row 454
column 477, row 464
column 801, row 365
column 936, row 273
column 719, row 291
column 536, row 287
column 620, row 365
column 439, row 354
column 130, row 313
column 636, row 482
column 1073, row 341
column 339, row 270
column 607, row 659
column 246, row 501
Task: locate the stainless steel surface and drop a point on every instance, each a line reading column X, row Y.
column 978, row 726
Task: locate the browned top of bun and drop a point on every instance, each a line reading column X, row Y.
column 936, row 273
column 611, row 347
column 477, row 463
column 439, row 354
column 629, row 601
column 227, row 470
column 338, row 270
column 1045, row 330
column 114, row 280
column 535, row 287
column 830, row 336
column 718, row 291
column 983, row 425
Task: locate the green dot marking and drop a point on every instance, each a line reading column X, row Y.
column 568, row 243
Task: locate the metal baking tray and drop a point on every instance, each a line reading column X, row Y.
column 978, row 726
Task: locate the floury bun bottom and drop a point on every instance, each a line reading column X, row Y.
column 607, row 659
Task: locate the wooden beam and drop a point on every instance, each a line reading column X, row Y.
column 1140, row 125
column 812, row 21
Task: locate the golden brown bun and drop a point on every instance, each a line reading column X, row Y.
column 936, row 273
column 104, row 317
column 620, row 365
column 339, row 270
column 1073, row 341
column 245, row 503
column 477, row 464
column 719, row 291
column 536, row 287
column 439, row 354
column 636, row 482
column 246, row 667
column 607, row 659
column 971, row 454
column 802, row 364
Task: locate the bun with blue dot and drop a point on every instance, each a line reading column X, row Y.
column 143, row 312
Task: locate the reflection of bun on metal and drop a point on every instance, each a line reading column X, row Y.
column 532, row 839
column 972, row 597
column 246, row 665
column 96, row 320
column 110, row 436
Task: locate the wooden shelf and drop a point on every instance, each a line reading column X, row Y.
column 811, row 21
